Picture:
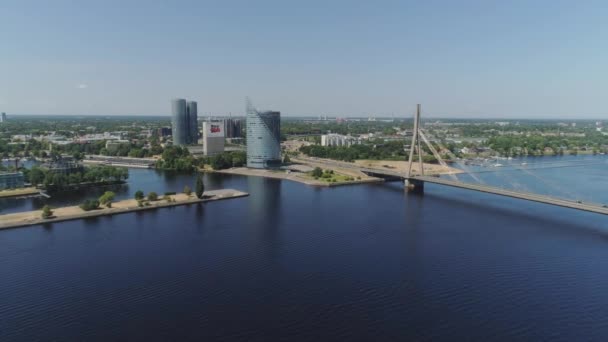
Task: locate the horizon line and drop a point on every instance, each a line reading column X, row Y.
column 333, row 117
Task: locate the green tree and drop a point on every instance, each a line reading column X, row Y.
column 107, row 198
column 139, row 195
column 286, row 159
column 187, row 190
column 200, row 187
column 317, row 172
column 221, row 161
column 89, row 205
column 152, row 196
column 36, row 176
column 239, row 158
column 47, row 213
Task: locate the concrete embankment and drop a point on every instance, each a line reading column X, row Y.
column 30, row 218
column 31, row 191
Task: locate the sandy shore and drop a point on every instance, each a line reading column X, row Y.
column 29, row 218
column 401, row 166
column 294, row 176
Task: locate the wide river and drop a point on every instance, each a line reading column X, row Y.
column 294, row 262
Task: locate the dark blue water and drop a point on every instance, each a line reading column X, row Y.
column 294, row 262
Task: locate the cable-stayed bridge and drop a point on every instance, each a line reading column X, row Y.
column 414, row 181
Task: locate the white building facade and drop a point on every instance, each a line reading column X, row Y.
column 213, row 137
column 339, row 140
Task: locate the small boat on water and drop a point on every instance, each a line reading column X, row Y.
column 497, row 165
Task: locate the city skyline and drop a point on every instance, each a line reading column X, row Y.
column 469, row 60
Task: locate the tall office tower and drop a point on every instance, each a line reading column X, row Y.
column 179, row 122
column 263, row 138
column 184, row 122
column 192, row 122
column 232, row 127
column 3, row 117
column 237, row 128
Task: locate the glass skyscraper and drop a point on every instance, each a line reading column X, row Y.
column 263, row 138
column 184, row 122
column 192, row 112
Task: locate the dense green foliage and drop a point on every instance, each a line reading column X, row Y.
column 317, row 172
column 177, row 158
column 392, row 150
column 88, row 205
column 139, row 195
column 187, row 190
column 94, row 174
column 510, row 145
column 227, row 160
column 107, row 198
column 152, row 196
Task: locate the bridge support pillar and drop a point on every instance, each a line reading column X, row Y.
column 414, row 186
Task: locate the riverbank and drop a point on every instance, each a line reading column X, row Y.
column 29, row 218
column 402, row 166
column 293, row 176
column 30, row 191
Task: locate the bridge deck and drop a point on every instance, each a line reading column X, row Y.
column 595, row 208
column 590, row 207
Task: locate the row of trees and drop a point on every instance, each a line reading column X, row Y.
column 509, row 145
column 392, row 150
column 105, row 199
column 95, row 174
column 153, row 196
column 177, row 158
column 226, row 160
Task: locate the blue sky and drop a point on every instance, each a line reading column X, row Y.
column 490, row 59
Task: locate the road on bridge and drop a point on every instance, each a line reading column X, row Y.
column 595, row 208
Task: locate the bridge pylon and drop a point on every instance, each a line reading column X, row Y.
column 411, row 184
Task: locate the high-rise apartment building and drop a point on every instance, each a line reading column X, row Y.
column 163, row 131
column 3, row 117
column 263, row 138
column 213, row 137
column 184, row 122
column 233, row 128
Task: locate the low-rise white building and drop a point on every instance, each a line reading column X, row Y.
column 338, row 140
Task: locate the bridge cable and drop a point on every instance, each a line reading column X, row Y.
column 462, row 166
column 436, row 154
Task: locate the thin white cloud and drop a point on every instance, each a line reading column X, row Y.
column 82, row 86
